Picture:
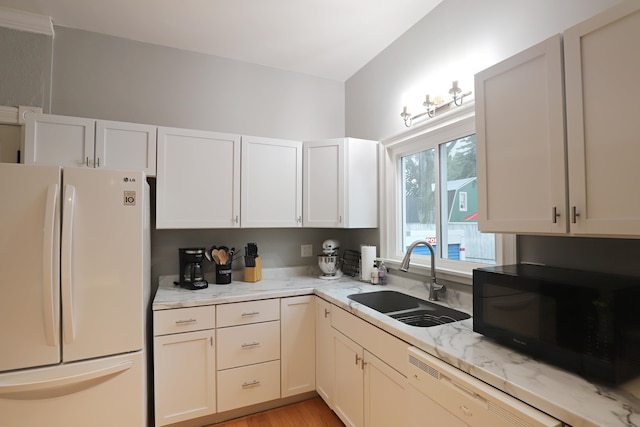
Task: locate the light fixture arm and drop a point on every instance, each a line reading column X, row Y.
column 431, row 108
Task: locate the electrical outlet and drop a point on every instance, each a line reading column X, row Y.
column 306, row 250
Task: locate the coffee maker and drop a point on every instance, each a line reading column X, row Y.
column 191, row 269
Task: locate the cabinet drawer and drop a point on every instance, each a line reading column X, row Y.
column 242, row 313
column 248, row 385
column 248, row 344
column 184, row 320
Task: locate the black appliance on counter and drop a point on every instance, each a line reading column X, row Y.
column 191, row 269
column 582, row 321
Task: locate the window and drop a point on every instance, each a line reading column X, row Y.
column 431, row 187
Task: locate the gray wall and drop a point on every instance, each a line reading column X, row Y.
column 117, row 79
column 25, row 68
column 449, row 40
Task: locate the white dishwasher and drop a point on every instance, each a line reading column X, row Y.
column 441, row 395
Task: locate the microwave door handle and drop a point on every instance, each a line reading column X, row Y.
column 49, row 279
column 66, row 267
column 514, row 302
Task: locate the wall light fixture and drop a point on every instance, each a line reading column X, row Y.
column 432, row 108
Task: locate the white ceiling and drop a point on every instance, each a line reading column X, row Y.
column 325, row 38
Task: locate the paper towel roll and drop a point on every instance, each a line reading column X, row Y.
column 367, row 257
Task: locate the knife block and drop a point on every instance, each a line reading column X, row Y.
column 253, row 274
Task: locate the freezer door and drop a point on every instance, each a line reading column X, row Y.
column 102, row 262
column 29, row 266
column 108, row 392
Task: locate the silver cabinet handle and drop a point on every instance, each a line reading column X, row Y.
column 185, row 322
column 327, row 312
column 252, row 313
column 555, row 215
column 98, row 162
column 574, row 214
column 250, row 345
column 251, row 384
column 358, row 359
column 87, row 161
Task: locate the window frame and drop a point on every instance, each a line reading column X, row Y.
column 428, row 134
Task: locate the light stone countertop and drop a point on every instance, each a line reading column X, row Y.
column 559, row 393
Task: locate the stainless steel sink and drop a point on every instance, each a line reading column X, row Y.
column 408, row 309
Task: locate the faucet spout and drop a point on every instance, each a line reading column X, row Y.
column 433, row 286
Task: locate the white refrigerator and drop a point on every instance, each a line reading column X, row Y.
column 74, row 293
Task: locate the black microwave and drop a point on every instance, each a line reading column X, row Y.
column 585, row 322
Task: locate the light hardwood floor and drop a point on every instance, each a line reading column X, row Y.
column 309, row 413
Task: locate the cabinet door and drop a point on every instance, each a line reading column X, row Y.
column 323, row 184
column 59, row 140
column 602, row 69
column 184, row 372
column 298, row 358
column 385, row 399
column 520, row 143
column 128, row 146
column 348, row 402
column 271, row 183
column 198, row 182
column 324, row 352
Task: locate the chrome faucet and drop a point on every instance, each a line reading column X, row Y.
column 433, row 286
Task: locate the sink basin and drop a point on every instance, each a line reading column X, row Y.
column 408, row 309
column 386, row 301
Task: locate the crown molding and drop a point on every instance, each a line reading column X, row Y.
column 26, row 21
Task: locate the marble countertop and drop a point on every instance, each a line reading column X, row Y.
column 559, row 393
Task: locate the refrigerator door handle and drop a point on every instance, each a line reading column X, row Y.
column 50, row 387
column 49, row 281
column 66, row 264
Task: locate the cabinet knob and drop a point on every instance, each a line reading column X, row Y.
column 574, row 215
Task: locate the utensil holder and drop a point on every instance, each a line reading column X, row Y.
column 253, row 274
column 223, row 274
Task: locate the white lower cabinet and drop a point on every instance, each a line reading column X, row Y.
column 184, row 364
column 370, row 387
column 248, row 385
column 298, row 358
column 324, row 351
column 384, row 394
column 348, row 398
column 248, row 353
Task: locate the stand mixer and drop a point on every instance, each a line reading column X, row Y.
column 329, row 261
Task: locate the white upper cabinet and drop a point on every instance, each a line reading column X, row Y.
column 129, row 146
column 602, row 68
column 81, row 142
column 59, row 140
column 536, row 177
column 271, row 183
column 340, row 183
column 198, row 183
column 520, row 143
